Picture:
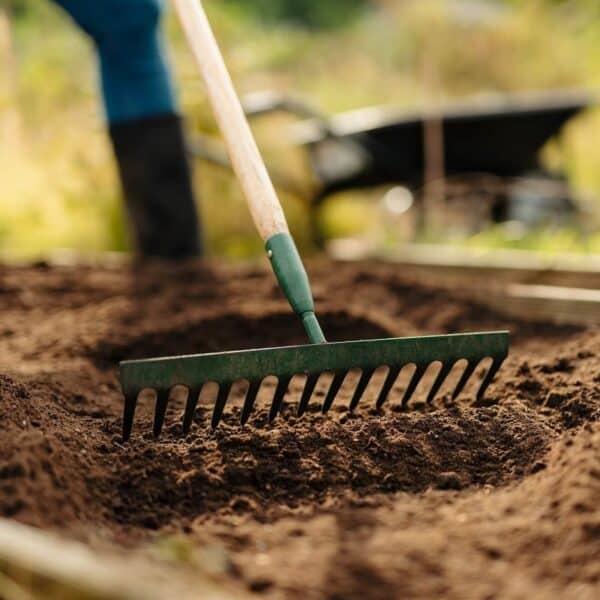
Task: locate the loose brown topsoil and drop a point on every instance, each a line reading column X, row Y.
column 498, row 500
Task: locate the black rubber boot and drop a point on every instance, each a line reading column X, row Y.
column 156, row 180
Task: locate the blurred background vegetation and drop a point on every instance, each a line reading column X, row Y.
column 58, row 185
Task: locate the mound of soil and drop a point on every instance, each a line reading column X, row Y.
column 454, row 500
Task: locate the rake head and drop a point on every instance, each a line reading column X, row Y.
column 339, row 358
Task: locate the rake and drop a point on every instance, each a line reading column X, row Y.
column 253, row 366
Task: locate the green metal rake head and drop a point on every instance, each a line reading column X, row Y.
column 193, row 372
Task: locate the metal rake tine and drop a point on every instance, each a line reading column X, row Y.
column 334, row 388
column 387, row 385
column 439, row 380
column 250, row 400
column 460, row 386
column 280, row 391
column 222, row 396
column 363, row 382
column 412, row 386
column 190, row 408
column 129, row 414
column 309, row 388
column 162, row 400
column 489, row 377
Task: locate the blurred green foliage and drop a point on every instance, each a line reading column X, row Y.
column 59, row 188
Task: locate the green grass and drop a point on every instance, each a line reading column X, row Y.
column 551, row 241
column 59, row 186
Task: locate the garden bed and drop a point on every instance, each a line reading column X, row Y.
column 495, row 500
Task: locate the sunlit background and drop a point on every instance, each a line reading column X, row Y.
column 58, row 184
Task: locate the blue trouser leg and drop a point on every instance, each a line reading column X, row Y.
column 134, row 71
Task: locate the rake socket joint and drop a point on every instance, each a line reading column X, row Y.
column 293, row 281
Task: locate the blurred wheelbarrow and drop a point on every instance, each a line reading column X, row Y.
column 496, row 141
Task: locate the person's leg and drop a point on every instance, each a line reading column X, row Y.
column 134, row 71
column 143, row 121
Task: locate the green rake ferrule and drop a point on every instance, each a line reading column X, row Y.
column 293, row 281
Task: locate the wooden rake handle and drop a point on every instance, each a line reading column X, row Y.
column 247, row 162
column 249, row 166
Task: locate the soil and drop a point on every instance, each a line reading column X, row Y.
column 459, row 500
